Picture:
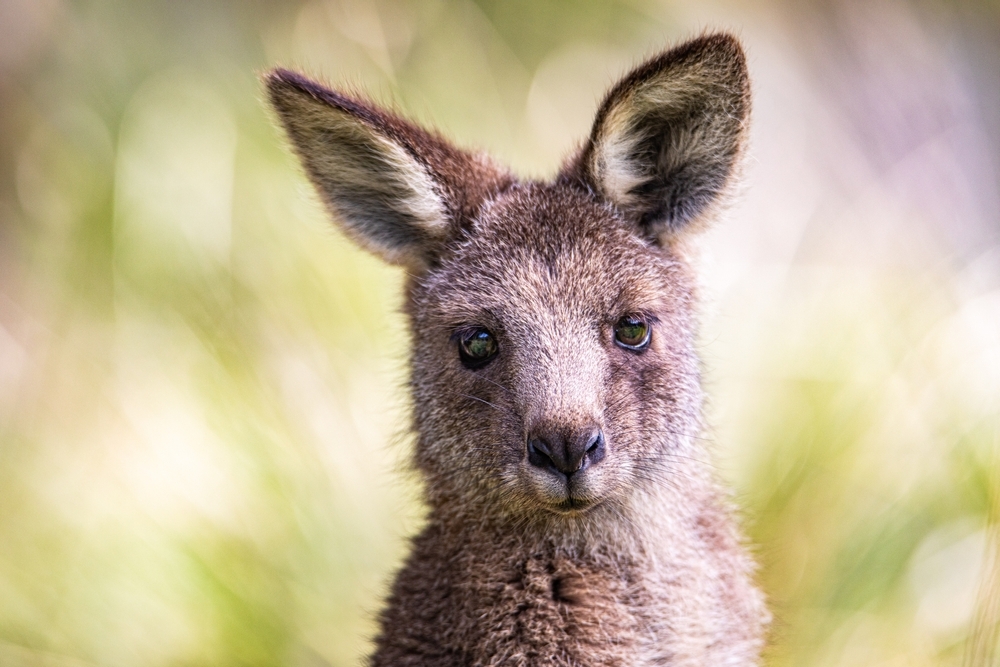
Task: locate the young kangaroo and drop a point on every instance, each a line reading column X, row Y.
column 573, row 519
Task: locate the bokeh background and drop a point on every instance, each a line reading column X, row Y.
column 202, row 444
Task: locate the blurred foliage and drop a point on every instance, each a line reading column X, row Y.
column 202, row 403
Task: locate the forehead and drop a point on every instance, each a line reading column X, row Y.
column 553, row 249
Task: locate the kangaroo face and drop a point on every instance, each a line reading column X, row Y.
column 584, row 362
column 552, row 336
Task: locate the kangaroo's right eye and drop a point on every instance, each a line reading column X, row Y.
column 476, row 347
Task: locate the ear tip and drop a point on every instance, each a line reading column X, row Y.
column 285, row 88
column 288, row 89
column 280, row 81
column 720, row 48
column 280, row 78
column 719, row 56
column 729, row 48
column 721, row 42
column 722, row 39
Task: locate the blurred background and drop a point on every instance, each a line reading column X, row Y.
column 202, row 411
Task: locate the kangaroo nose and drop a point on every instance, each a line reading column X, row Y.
column 566, row 453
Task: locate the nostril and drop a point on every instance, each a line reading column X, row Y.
column 539, row 454
column 595, row 442
column 596, row 449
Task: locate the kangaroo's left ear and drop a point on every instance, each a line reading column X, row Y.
column 668, row 136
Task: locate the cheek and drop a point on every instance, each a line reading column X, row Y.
column 641, row 403
column 463, row 417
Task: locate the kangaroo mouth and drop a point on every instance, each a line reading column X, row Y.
column 573, row 505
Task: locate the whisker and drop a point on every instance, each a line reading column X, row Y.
column 496, row 384
column 483, row 400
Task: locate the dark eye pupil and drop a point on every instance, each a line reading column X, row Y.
column 632, row 332
column 480, row 345
column 476, row 348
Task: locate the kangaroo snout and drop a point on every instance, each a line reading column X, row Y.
column 566, row 451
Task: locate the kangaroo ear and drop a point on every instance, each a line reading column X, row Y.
column 397, row 190
column 667, row 137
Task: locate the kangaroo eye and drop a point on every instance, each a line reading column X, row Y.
column 476, row 347
column 633, row 332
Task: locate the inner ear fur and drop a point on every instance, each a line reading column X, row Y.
column 396, row 189
column 668, row 137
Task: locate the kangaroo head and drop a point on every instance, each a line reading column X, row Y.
column 552, row 367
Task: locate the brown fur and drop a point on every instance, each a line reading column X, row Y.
column 633, row 560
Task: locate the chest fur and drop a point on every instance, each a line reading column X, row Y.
column 548, row 607
column 554, row 607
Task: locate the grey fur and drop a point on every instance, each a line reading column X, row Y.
column 634, row 560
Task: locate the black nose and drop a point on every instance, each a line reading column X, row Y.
column 566, row 452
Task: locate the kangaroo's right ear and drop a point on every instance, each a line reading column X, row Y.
column 397, row 190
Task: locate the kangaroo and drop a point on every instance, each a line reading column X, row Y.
column 573, row 518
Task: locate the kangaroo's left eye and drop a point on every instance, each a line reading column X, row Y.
column 633, row 332
column 476, row 347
